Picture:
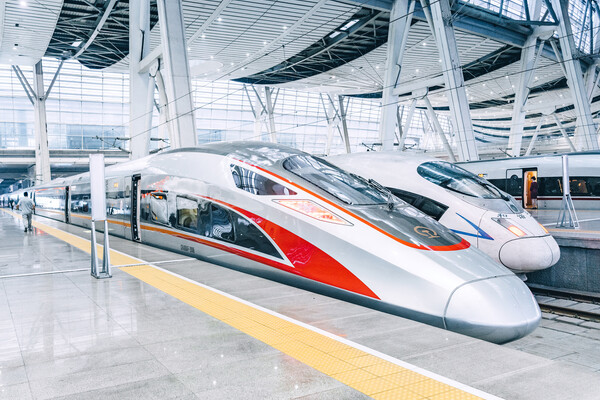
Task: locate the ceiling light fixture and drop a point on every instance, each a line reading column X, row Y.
column 76, row 43
column 349, row 25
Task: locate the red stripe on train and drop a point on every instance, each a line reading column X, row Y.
column 463, row 244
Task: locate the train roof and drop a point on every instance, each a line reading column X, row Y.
column 384, row 157
column 262, row 153
column 538, row 156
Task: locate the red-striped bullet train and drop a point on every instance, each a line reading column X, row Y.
column 283, row 214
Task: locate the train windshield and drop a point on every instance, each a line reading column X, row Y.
column 349, row 188
column 454, row 178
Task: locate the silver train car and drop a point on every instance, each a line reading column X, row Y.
column 282, row 214
column 470, row 206
column 514, row 175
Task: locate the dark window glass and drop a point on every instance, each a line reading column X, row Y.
column 187, row 213
column 499, row 183
column 433, row 208
column 220, row 223
column 204, row 220
column 249, row 236
column 222, row 227
column 514, row 185
column 579, row 187
column 80, row 198
column 349, row 188
column 257, row 184
column 454, row 178
column 158, row 208
column 430, row 207
column 594, row 185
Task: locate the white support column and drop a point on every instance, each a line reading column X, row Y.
column 591, row 80
column 438, row 128
column 535, row 135
column 409, row 117
column 585, row 132
column 177, row 74
column 164, row 127
column 269, row 108
column 400, row 17
column 454, row 80
column 264, row 110
column 139, row 82
column 564, row 133
column 345, row 135
column 42, row 154
column 332, row 121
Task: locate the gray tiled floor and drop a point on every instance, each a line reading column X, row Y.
column 70, row 336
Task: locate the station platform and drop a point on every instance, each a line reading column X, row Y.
column 577, row 268
column 167, row 326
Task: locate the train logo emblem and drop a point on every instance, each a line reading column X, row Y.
column 423, row 231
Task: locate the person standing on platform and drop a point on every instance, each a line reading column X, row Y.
column 27, row 207
column 533, row 192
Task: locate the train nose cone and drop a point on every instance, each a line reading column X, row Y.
column 530, row 254
column 499, row 310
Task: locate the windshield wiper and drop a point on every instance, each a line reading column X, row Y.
column 379, row 187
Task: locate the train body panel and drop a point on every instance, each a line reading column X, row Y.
column 487, row 219
column 280, row 213
column 513, row 175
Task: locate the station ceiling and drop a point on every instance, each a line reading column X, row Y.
column 336, row 46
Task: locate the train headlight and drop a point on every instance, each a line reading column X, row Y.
column 508, row 225
column 516, row 231
column 313, row 210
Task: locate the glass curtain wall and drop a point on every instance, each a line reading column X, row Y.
column 89, row 109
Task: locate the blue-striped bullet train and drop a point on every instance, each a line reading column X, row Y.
column 469, row 205
column 283, row 214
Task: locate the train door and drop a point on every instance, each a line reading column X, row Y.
column 135, row 208
column 67, row 208
column 529, row 175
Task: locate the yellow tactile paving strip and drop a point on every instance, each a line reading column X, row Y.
column 116, row 258
column 367, row 373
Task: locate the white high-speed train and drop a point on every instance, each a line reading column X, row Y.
column 282, row 214
column 469, row 205
column 513, row 175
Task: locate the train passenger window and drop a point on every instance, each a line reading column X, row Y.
column 257, row 184
column 222, row 227
column 579, row 187
column 215, row 221
column 551, row 186
column 593, row 185
column 158, row 208
column 187, row 213
column 452, row 177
